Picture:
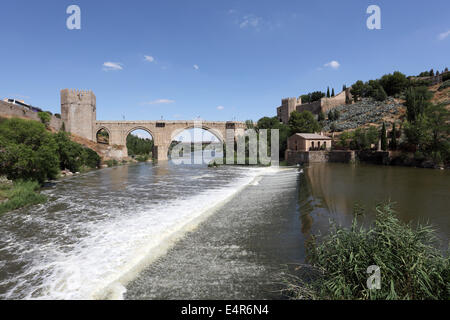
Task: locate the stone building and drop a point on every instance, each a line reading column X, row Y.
column 308, row 142
column 289, row 105
column 314, row 148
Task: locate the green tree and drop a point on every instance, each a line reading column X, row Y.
column 331, row 115
column 438, row 119
column 139, row 146
column 357, row 90
column 303, row 122
column 417, row 100
column 393, row 143
column 383, row 137
column 332, row 92
column 27, row 151
column 45, row 118
column 274, row 123
column 317, row 95
column 417, row 133
column 378, row 93
column 394, row 83
column 71, row 154
column 321, row 116
column 336, row 114
column 328, row 92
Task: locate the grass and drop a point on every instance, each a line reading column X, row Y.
column 19, row 194
column 411, row 266
column 112, row 163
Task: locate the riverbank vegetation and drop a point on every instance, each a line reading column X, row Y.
column 31, row 155
column 411, row 266
column 139, row 147
column 18, row 194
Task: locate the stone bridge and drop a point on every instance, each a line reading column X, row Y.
column 78, row 112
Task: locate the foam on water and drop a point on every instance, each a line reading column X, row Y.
column 113, row 251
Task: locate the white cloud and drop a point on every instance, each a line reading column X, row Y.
column 250, row 21
column 160, row 101
column 332, row 64
column 444, row 35
column 196, row 67
column 112, row 66
column 149, row 58
column 220, row 107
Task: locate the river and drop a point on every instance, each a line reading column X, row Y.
column 166, row 231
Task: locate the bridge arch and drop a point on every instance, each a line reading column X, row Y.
column 215, row 132
column 134, row 128
column 97, row 132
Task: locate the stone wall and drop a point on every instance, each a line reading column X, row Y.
column 300, row 157
column 13, row 110
column 313, row 107
column 329, row 103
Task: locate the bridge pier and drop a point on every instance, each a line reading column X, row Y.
column 160, row 152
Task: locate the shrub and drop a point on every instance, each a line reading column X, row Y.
column 28, row 151
column 446, row 76
column 445, row 85
column 45, row 118
column 142, row 158
column 379, row 94
column 91, row 159
column 411, row 266
column 21, row 194
column 112, row 163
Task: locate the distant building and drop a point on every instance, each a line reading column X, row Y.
column 308, row 142
column 22, row 104
column 289, row 105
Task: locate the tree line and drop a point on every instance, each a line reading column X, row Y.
column 28, row 151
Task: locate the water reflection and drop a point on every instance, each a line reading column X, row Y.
column 331, row 191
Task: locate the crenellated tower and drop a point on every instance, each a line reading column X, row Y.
column 78, row 112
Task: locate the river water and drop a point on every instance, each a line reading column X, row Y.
column 166, row 231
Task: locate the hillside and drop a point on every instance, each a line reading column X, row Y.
column 370, row 112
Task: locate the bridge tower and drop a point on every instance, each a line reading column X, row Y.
column 78, row 112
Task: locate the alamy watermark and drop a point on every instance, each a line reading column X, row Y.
column 237, row 146
column 374, row 281
column 73, row 22
column 374, row 20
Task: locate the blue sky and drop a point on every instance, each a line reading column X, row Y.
column 220, row 60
